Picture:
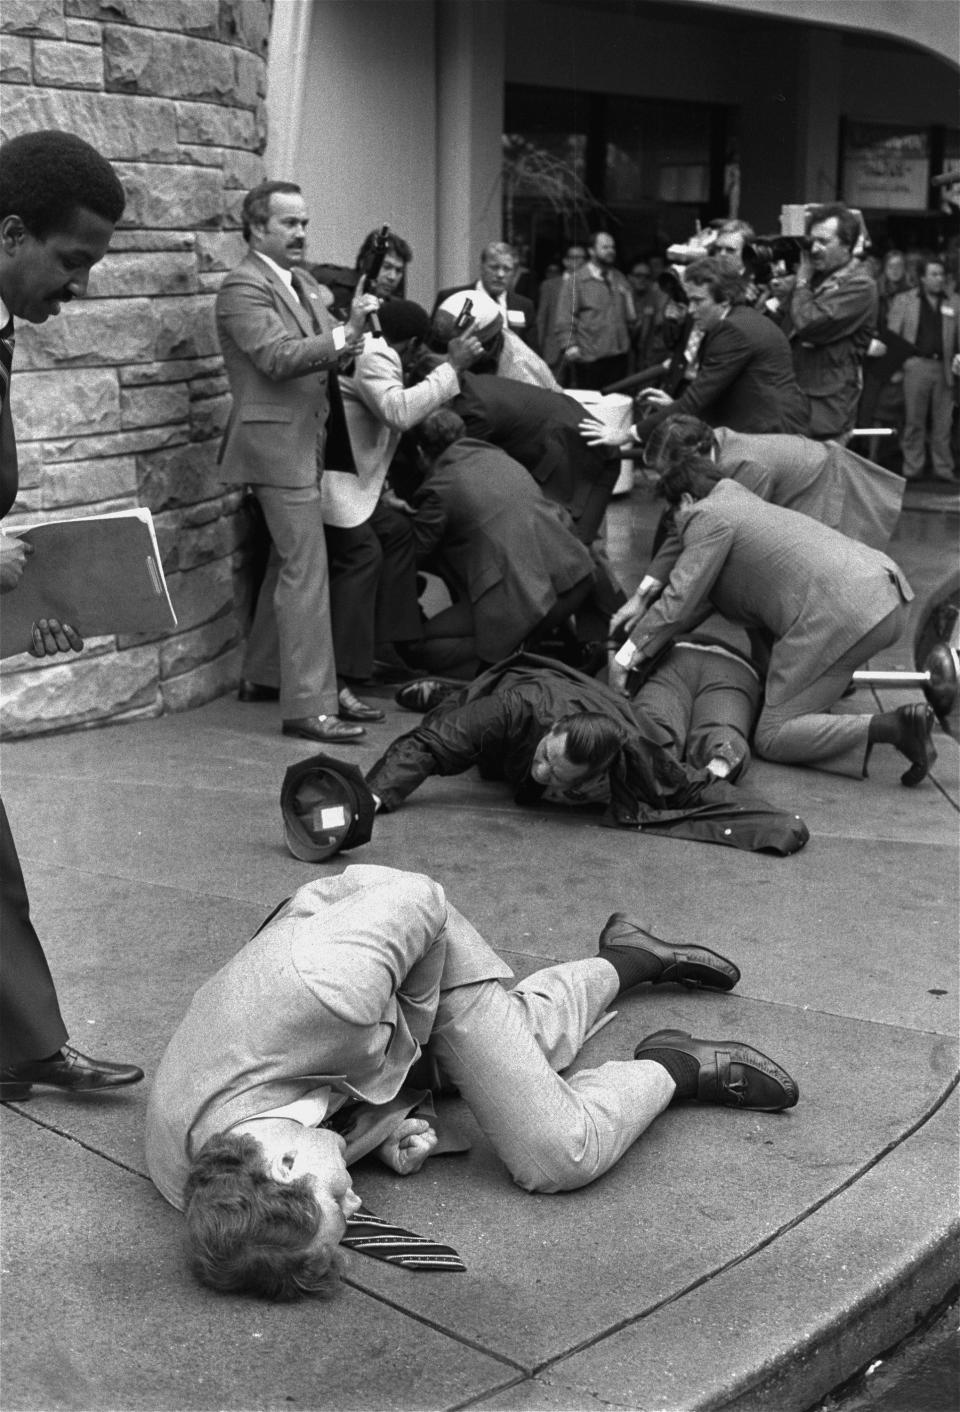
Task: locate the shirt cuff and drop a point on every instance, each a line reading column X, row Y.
column 339, row 337
column 627, row 655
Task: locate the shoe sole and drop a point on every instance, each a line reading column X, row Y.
column 325, row 739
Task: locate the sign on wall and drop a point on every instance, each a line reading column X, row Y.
column 886, row 168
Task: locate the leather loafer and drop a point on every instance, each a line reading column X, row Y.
column 68, row 1069
column 329, row 730
column 687, row 965
column 916, row 726
column 253, row 691
column 732, row 1074
column 353, row 709
column 426, row 693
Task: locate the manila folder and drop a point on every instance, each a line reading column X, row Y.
column 101, row 574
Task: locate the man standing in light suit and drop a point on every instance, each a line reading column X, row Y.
column 279, row 344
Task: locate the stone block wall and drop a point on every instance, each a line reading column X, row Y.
column 120, row 400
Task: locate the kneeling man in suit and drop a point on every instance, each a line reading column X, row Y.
column 295, row 1059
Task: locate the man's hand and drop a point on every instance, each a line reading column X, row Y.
column 14, row 554
column 394, row 501
column 655, row 397
column 627, row 616
column 406, row 1150
column 597, row 433
column 50, row 636
column 465, row 348
column 616, row 676
column 362, row 306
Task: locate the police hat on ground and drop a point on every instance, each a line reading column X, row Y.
column 326, row 806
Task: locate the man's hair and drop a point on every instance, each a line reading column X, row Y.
column 725, row 287
column 497, row 249
column 438, row 431
column 393, row 243
column 595, row 236
column 928, row 259
column 247, row 1232
column 848, row 226
column 734, row 227
column 45, row 176
column 256, row 204
column 688, row 474
column 593, row 740
column 677, row 436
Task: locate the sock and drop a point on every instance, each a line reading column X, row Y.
column 633, row 966
column 684, row 1069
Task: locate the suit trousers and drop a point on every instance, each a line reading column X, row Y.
column 926, row 394
column 373, row 589
column 707, row 703
column 802, row 731
column 503, row 1050
column 31, row 1026
column 291, row 641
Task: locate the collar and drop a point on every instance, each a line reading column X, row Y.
column 501, row 299
column 283, row 275
column 4, row 314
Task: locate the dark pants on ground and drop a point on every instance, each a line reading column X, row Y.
column 707, row 702
column 449, row 644
column 31, row 1026
column 373, row 589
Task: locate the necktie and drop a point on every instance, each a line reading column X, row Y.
column 299, row 288
column 6, row 359
column 371, row 1235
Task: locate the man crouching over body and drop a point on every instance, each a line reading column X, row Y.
column 291, row 1063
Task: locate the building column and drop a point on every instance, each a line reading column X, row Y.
column 470, row 84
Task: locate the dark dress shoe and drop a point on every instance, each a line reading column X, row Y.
column 253, row 691
column 732, row 1074
column 67, row 1069
column 329, row 730
column 916, row 726
column 687, row 965
column 426, row 693
column 353, row 709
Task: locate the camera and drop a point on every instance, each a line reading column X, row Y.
column 769, row 255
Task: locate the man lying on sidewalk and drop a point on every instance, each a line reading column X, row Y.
column 291, row 1063
column 557, row 736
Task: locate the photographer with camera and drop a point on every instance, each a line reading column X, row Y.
column 830, row 315
column 745, row 378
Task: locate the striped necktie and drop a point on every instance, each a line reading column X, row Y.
column 6, row 358
column 371, row 1235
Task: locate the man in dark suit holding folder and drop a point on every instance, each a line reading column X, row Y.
column 59, row 203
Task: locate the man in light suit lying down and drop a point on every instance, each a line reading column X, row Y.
column 294, row 1060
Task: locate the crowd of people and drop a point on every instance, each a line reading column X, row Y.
column 474, row 442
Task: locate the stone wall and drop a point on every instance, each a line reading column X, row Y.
column 121, row 399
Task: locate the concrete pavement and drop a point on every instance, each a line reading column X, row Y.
column 731, row 1260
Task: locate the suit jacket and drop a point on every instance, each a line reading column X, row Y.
column 277, row 365
column 904, row 319
column 538, row 428
column 324, row 994
column 807, row 590
column 378, row 408
column 745, row 379
column 497, row 541
column 521, row 314
column 818, row 478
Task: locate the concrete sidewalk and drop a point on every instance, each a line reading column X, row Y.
column 731, row 1260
